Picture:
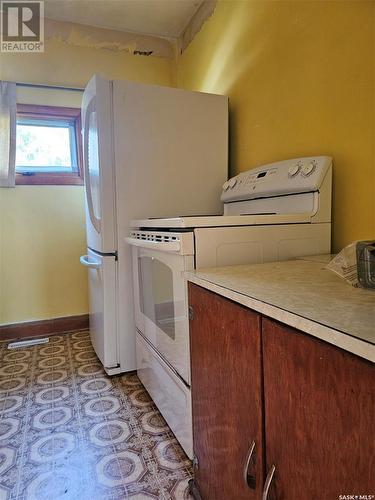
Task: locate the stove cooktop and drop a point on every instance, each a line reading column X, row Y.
column 196, row 221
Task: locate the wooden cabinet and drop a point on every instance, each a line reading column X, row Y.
column 308, row 406
column 319, row 406
column 226, row 397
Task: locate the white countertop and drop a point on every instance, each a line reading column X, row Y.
column 301, row 294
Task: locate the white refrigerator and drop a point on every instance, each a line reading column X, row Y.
column 149, row 151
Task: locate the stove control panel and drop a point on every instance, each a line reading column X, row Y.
column 299, row 175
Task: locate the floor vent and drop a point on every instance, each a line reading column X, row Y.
column 27, row 343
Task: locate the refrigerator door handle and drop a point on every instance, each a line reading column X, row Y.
column 95, row 221
column 87, row 261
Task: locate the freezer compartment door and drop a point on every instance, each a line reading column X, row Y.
column 103, row 306
column 98, row 160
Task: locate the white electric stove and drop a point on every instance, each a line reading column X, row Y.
column 275, row 212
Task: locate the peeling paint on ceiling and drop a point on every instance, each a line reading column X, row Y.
column 87, row 36
column 141, row 27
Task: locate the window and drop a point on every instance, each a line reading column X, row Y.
column 49, row 146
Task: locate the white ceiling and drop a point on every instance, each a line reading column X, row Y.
column 153, row 17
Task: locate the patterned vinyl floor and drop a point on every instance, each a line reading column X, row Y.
column 68, row 431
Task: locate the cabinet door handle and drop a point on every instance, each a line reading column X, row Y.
column 268, row 482
column 249, row 479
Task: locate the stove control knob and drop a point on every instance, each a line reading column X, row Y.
column 225, row 186
column 293, row 170
column 232, row 182
column 308, row 169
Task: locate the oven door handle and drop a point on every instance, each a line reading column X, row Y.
column 162, row 246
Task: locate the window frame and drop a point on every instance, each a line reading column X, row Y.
column 50, row 113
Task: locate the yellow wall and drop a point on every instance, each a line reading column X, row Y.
column 64, row 64
column 42, row 230
column 42, row 238
column 300, row 78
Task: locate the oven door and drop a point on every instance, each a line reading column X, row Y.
column 161, row 309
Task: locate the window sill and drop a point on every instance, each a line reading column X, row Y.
column 49, row 180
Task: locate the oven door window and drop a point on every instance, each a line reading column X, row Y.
column 156, row 294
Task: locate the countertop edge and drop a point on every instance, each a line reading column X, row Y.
column 346, row 342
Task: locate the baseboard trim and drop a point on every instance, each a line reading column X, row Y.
column 52, row 326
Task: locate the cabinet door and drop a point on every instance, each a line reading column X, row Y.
column 226, row 397
column 319, row 418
